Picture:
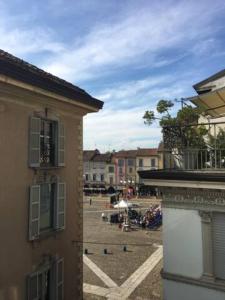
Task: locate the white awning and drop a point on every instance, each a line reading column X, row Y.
column 212, row 103
column 123, row 204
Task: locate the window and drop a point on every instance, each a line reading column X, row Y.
column 218, row 223
column 47, row 208
column 153, row 162
column 94, row 177
column 120, row 170
column 140, row 162
column 46, row 143
column 102, row 177
column 130, row 170
column 47, row 283
column 86, row 167
column 120, row 162
column 111, row 169
column 130, row 162
column 86, row 177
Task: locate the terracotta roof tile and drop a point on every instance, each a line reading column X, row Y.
column 147, row 151
column 89, row 154
column 102, row 157
column 126, row 154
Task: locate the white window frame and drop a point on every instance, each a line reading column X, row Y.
column 35, row 144
column 59, row 207
column 54, row 281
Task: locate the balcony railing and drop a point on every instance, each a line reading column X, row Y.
column 195, row 147
column 194, row 159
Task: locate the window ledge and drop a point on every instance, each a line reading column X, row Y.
column 46, row 234
column 210, row 283
column 47, row 167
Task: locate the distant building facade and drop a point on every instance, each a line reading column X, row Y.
column 118, row 169
column 110, row 172
column 147, row 159
column 97, row 167
column 125, row 168
column 88, row 156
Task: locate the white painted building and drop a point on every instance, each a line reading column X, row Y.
column 193, row 205
column 193, row 233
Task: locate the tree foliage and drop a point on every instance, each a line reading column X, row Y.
column 188, row 143
column 180, row 129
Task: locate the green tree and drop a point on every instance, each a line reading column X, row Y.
column 216, row 145
column 187, row 140
column 180, row 130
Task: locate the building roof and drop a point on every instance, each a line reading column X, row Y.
column 106, row 157
column 147, row 151
column 161, row 147
column 25, row 72
column 89, row 154
column 126, row 154
column 217, row 75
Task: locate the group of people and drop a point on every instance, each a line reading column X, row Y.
column 152, row 218
column 123, row 217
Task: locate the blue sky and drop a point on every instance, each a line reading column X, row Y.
column 127, row 53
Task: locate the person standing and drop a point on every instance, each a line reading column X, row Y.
column 90, row 201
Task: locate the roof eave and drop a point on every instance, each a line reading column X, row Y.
column 29, row 77
column 20, row 84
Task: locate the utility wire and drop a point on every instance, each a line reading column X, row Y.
column 112, row 244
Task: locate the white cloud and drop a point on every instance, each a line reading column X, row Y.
column 119, row 129
column 147, row 90
column 154, row 36
column 21, row 37
column 22, row 43
column 143, row 33
column 120, row 125
column 136, row 35
column 134, row 87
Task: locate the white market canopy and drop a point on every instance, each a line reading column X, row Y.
column 212, row 103
column 123, row 204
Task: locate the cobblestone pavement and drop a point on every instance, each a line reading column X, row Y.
column 134, row 274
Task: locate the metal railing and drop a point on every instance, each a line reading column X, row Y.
column 194, row 159
column 47, row 154
column 185, row 148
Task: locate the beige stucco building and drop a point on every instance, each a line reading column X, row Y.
column 147, row 159
column 41, row 135
column 98, row 171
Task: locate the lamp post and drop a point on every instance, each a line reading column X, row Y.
column 123, row 183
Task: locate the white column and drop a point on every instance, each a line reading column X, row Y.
column 206, row 218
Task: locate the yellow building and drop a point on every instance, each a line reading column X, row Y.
column 148, row 159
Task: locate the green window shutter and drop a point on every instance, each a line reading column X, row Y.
column 60, row 279
column 32, row 287
column 61, row 144
column 34, row 142
column 34, row 217
column 61, row 202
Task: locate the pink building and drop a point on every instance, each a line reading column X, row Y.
column 125, row 168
